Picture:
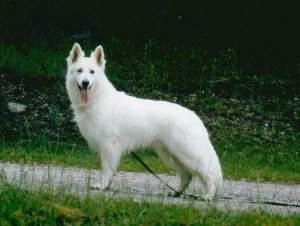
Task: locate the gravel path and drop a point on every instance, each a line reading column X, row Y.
column 236, row 195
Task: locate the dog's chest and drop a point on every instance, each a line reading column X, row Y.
column 91, row 125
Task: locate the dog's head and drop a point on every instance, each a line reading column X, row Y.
column 83, row 72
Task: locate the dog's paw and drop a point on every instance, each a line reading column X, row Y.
column 174, row 194
column 207, row 197
column 99, row 186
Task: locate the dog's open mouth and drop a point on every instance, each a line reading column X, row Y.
column 85, row 93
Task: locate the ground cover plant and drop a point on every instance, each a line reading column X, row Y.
column 27, row 207
column 253, row 119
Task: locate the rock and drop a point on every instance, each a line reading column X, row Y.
column 16, row 108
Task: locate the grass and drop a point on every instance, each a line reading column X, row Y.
column 257, row 158
column 39, row 207
column 77, row 156
column 253, row 119
column 243, row 159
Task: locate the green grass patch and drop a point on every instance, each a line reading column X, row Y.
column 24, row 207
column 67, row 154
column 243, row 158
column 257, row 158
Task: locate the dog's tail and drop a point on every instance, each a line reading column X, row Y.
column 219, row 179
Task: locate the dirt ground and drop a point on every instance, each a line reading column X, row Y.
column 236, row 195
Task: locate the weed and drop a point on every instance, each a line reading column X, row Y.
column 24, row 207
column 252, row 119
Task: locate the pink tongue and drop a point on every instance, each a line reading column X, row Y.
column 85, row 95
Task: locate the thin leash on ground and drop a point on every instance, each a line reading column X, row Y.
column 198, row 197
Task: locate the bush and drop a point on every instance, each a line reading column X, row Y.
column 33, row 75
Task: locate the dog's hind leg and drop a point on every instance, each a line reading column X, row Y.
column 211, row 175
column 185, row 179
column 199, row 157
column 184, row 174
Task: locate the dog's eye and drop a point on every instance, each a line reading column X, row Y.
column 79, row 70
column 92, row 71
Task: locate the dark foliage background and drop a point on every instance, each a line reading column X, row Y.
column 265, row 33
column 235, row 63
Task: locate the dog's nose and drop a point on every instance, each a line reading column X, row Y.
column 85, row 83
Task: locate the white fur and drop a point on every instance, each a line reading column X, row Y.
column 114, row 123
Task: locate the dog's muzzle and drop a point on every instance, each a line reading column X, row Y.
column 84, row 85
column 84, row 89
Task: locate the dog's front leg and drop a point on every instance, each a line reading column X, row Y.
column 110, row 160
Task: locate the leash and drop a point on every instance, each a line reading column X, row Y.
column 171, row 188
column 198, row 197
column 144, row 164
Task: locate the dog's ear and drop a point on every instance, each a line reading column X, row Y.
column 75, row 54
column 98, row 55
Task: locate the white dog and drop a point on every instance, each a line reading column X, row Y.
column 114, row 123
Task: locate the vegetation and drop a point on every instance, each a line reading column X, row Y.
column 252, row 119
column 25, row 207
column 241, row 78
column 258, row 30
column 264, row 162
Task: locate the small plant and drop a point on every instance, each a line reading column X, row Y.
column 233, row 104
column 25, row 207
